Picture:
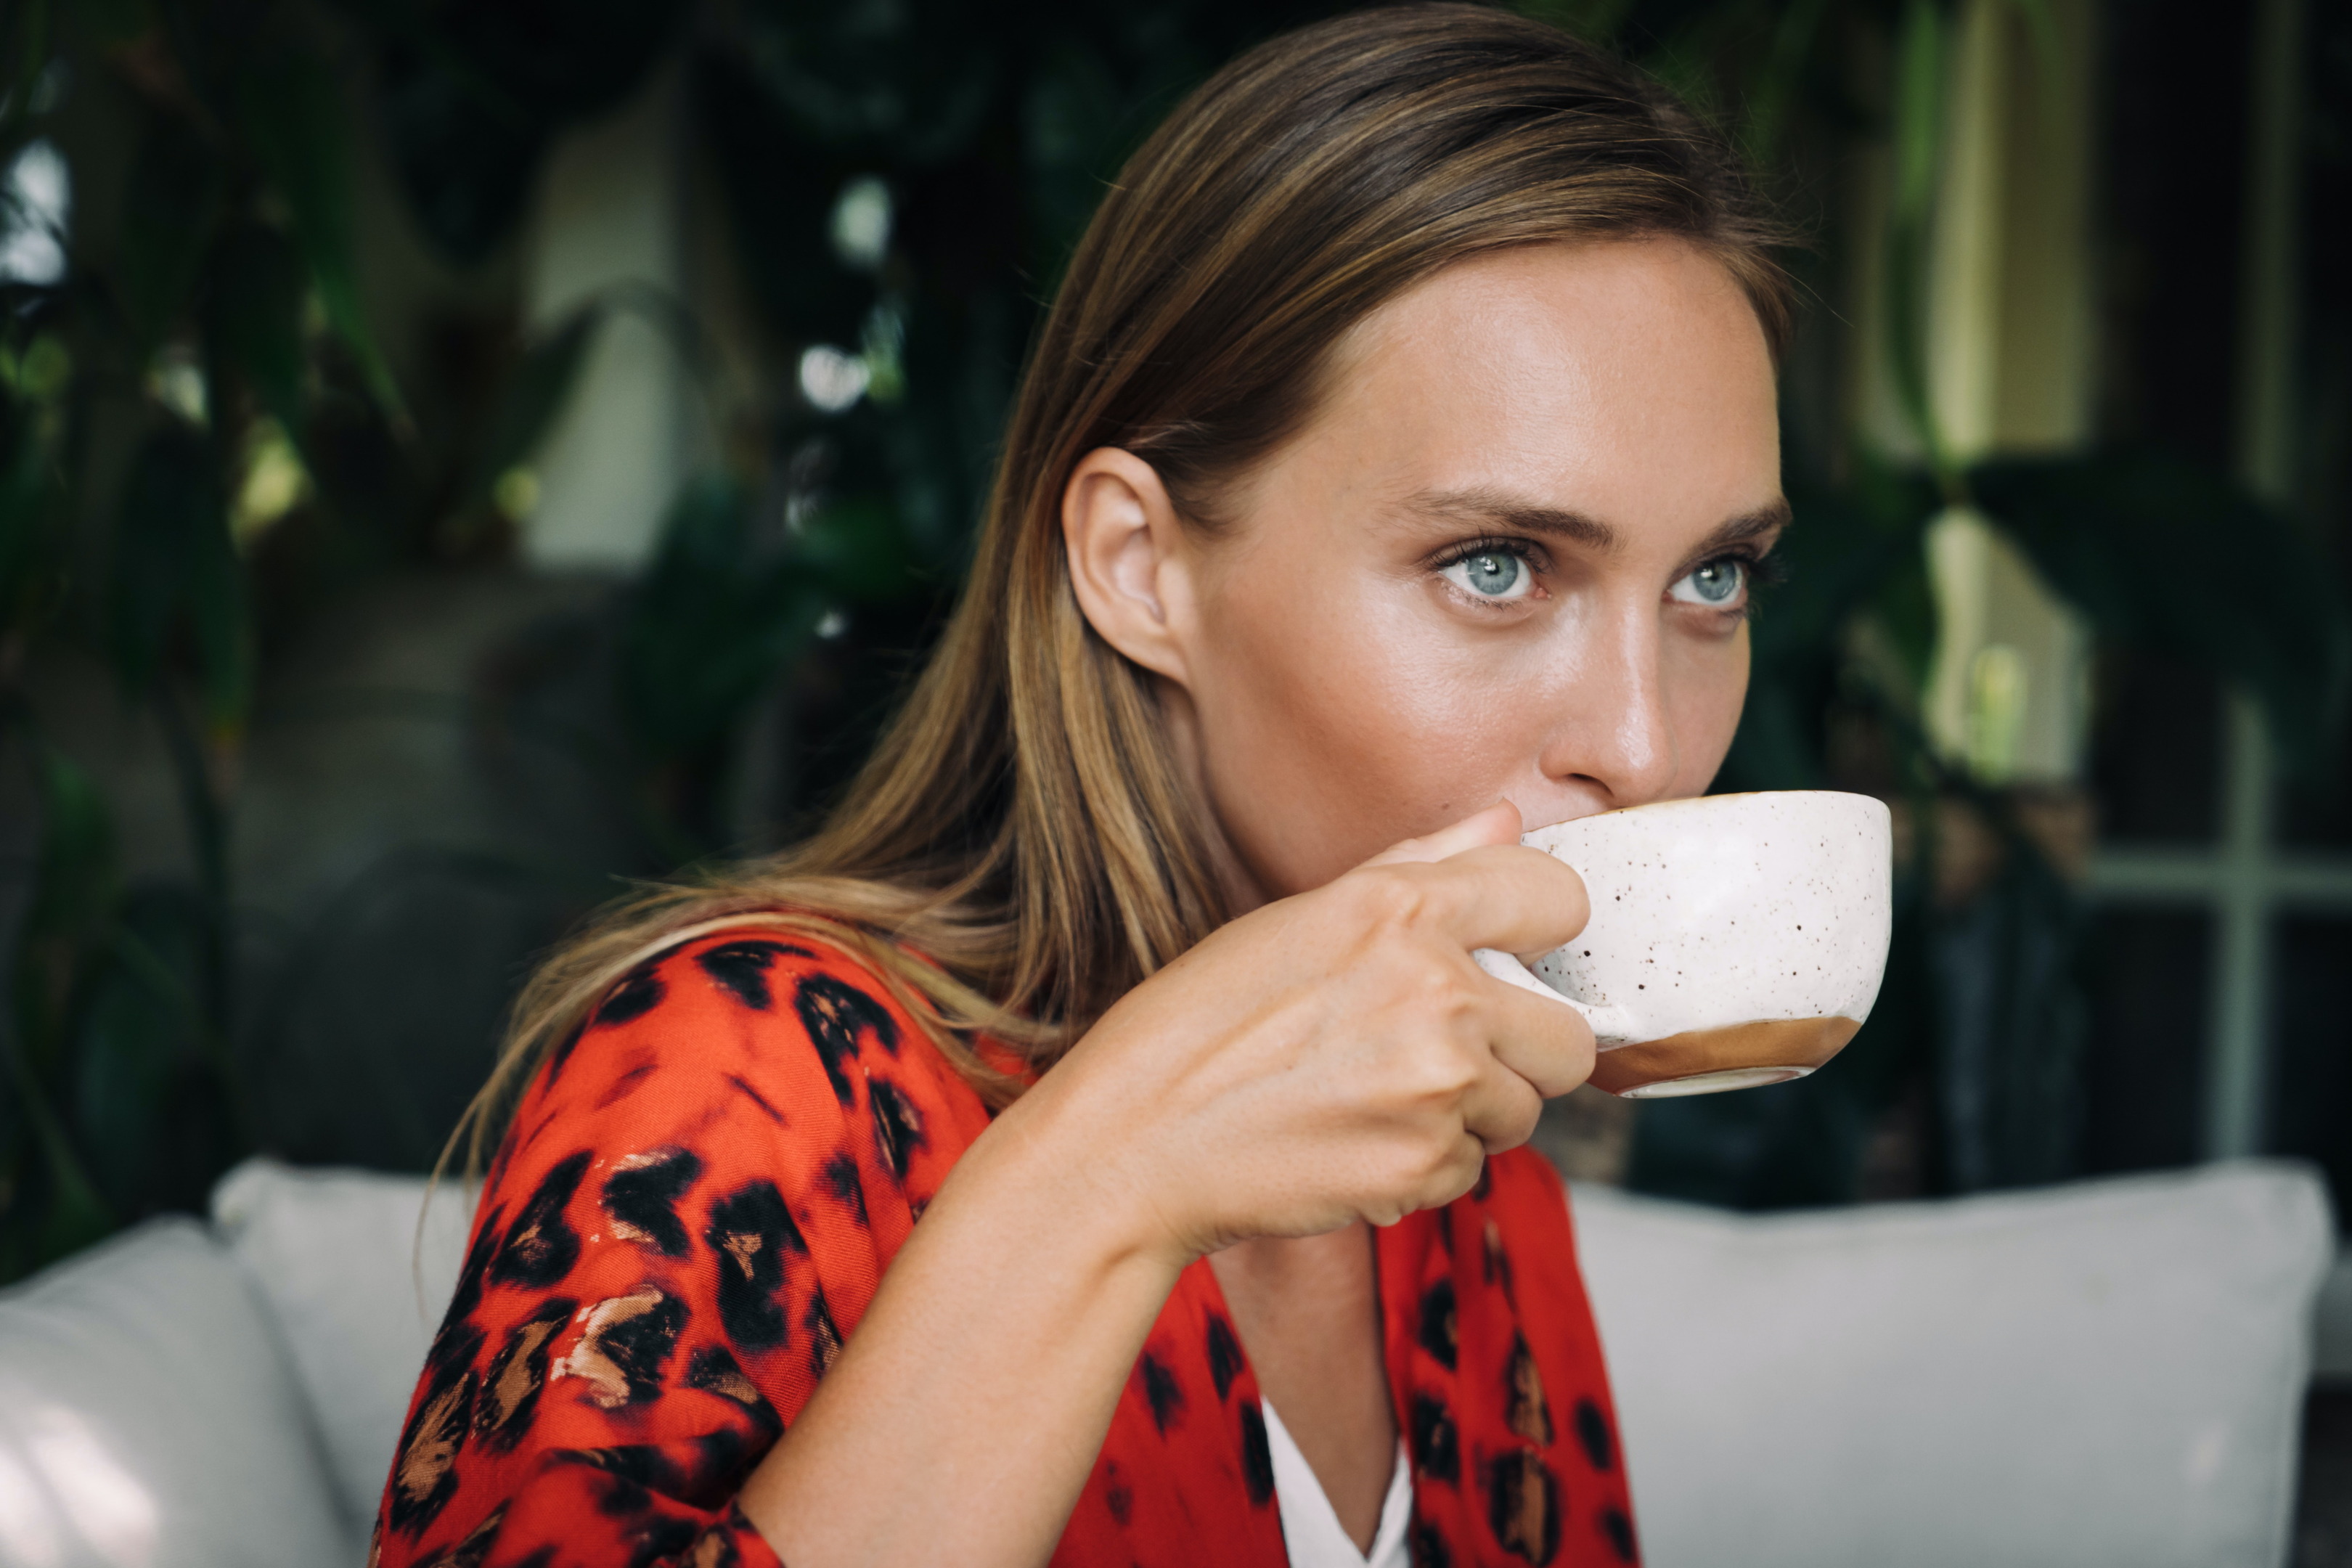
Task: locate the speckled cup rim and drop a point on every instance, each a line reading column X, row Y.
column 1687, row 801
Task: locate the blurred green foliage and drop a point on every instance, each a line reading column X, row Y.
column 1978, row 1033
column 901, row 182
column 148, row 383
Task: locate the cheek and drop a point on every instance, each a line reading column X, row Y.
column 1706, row 687
column 1332, row 725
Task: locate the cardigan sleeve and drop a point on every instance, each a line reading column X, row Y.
column 692, row 1208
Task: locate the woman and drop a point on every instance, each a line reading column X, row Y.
column 1390, row 475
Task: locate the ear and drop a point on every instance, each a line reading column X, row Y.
column 1129, row 560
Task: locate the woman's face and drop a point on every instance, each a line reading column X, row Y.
column 1510, row 557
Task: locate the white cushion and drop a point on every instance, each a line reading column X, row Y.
column 356, row 1292
column 2106, row 1373
column 148, row 1418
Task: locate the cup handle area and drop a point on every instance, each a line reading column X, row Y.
column 1610, row 1025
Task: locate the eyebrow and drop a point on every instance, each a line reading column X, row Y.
column 1770, row 518
column 1507, row 513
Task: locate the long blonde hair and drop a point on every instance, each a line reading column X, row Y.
column 1022, row 848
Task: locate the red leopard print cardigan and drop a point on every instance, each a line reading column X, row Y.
column 696, row 1202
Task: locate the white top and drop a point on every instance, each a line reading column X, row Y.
column 1310, row 1527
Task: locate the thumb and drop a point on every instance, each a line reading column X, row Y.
column 1498, row 823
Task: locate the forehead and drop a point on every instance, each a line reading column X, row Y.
column 1626, row 379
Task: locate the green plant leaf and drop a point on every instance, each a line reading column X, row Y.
column 73, row 873
column 171, row 205
column 1919, row 108
column 780, row 206
column 112, row 22
column 1904, row 611
column 293, row 113
column 717, row 615
column 1775, row 88
column 148, row 1096
column 1920, row 65
column 535, row 394
column 58, row 1211
column 2177, row 558
column 2049, row 52
column 26, row 34
column 1595, row 21
column 175, row 569
column 469, row 97
column 71, row 903
column 465, row 151
column 1073, row 114
column 32, row 532
column 1845, row 554
column 1842, row 550
column 254, row 314
column 51, row 1208
column 857, row 549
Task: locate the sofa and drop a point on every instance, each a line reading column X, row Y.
column 2105, row 1374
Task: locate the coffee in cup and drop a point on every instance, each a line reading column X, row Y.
column 1735, row 941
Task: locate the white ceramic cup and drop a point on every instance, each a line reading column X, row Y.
column 1736, row 939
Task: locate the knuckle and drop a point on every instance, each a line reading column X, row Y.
column 1390, row 896
column 1437, row 1074
column 1435, row 993
column 1421, row 1167
column 1428, row 1170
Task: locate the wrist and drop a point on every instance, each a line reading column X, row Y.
column 1080, row 1168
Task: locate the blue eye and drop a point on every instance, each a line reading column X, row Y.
column 1718, row 585
column 1491, row 574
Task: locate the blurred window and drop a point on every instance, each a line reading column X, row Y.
column 2225, row 925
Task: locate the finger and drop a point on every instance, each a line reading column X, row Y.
column 1498, row 823
column 1503, row 895
column 1540, row 1039
column 1454, row 1176
column 1502, row 1108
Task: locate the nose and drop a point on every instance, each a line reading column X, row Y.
column 1614, row 740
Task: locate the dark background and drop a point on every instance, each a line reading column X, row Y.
column 312, row 733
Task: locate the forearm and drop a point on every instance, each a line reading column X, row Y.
column 965, row 1415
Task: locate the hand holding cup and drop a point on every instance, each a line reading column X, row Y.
column 1331, row 1056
